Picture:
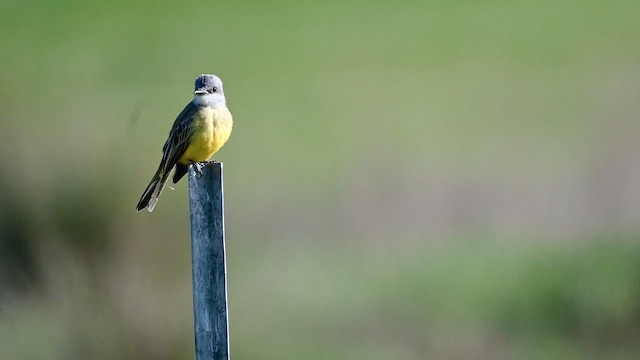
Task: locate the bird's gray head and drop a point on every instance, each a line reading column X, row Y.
column 208, row 91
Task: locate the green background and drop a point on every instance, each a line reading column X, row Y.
column 405, row 180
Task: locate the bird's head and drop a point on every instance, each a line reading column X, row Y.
column 208, row 90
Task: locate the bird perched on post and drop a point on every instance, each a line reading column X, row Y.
column 200, row 130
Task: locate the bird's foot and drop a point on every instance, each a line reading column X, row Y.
column 198, row 167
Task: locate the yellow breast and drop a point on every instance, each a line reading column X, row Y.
column 211, row 130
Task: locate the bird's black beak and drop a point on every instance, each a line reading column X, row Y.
column 201, row 92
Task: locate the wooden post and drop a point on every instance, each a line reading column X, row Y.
column 211, row 322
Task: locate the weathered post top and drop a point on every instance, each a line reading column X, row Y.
column 208, row 260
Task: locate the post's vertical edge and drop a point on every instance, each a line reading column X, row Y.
column 211, row 325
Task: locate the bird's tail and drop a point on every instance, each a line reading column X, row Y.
column 152, row 192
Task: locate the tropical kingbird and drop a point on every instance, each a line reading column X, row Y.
column 198, row 132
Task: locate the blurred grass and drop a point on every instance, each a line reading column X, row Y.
column 466, row 300
column 506, row 300
column 405, row 180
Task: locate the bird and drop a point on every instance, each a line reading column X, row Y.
column 198, row 132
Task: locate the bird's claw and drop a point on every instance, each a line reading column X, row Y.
column 198, row 167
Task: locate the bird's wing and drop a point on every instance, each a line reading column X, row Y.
column 179, row 137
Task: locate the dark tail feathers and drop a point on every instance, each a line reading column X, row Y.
column 152, row 192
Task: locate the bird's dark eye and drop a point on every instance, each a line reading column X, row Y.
column 215, row 89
